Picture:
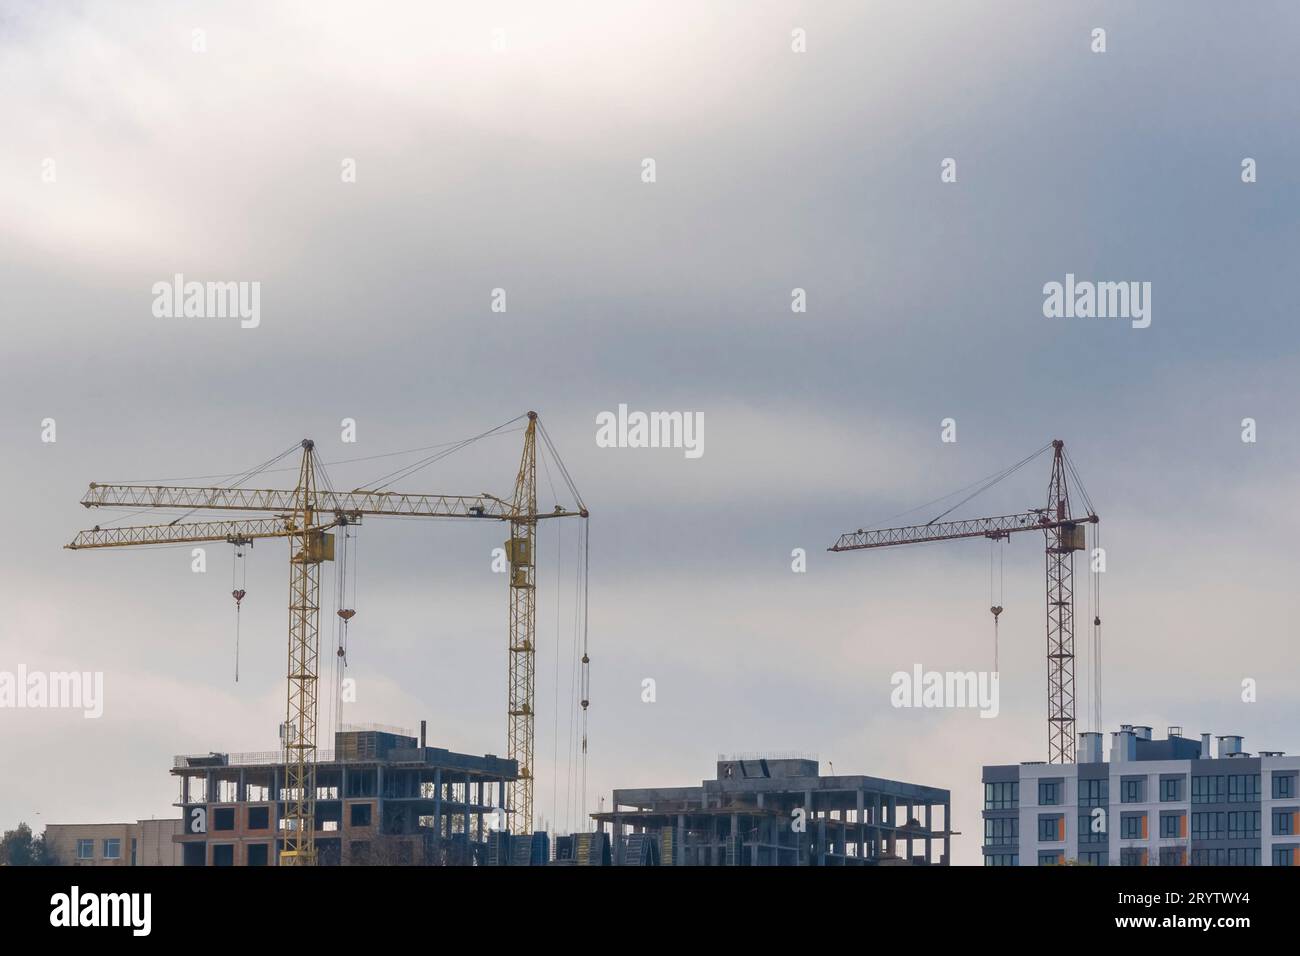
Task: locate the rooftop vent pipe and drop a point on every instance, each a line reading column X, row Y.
column 1229, row 745
column 1090, row 747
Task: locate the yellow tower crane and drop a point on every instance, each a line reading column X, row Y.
column 305, row 516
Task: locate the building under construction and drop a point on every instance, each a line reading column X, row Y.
column 382, row 797
column 774, row 811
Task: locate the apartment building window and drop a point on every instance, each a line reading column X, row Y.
column 1093, row 858
column 1284, row 786
column 133, row 848
column 1132, row 826
column 1093, row 793
column 362, row 783
column 1173, row 856
column 223, row 818
column 1207, row 790
column 1133, row 856
column 1218, row 857
column 259, row 818
column 1051, row 858
column 1086, row 832
column 1049, row 793
column 113, row 849
column 1051, row 828
column 257, row 854
column 1171, row 825
column 1284, row 856
column 1133, row 790
column 1243, row 788
column 85, row 849
column 1171, row 789
column 999, row 831
column 1002, row 796
column 1207, row 826
column 1002, row 859
column 1243, row 825
column 1284, row 822
column 1243, row 856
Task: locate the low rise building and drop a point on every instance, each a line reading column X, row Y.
column 774, row 811
column 143, row 843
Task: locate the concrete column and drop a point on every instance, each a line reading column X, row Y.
column 892, row 822
column 907, row 818
column 241, row 792
column 947, row 826
column 929, row 818
column 861, row 807
column 479, row 801
column 680, row 843
column 465, row 835
column 805, row 858
column 616, row 841
column 733, row 837
column 821, row 841
column 437, row 803
column 875, row 825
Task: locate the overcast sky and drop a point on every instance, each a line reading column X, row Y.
column 521, row 168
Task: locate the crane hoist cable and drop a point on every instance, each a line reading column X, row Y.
column 238, row 584
column 345, row 610
column 1097, row 569
column 586, row 657
column 996, row 556
column 555, row 707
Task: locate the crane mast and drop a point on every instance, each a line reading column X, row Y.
column 307, row 550
column 523, row 607
column 1062, row 541
column 1064, row 535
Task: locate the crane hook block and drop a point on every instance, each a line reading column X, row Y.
column 996, row 609
column 238, row 596
column 347, row 613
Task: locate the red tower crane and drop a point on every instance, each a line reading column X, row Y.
column 1064, row 533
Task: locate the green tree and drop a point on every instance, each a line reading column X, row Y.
column 19, row 848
